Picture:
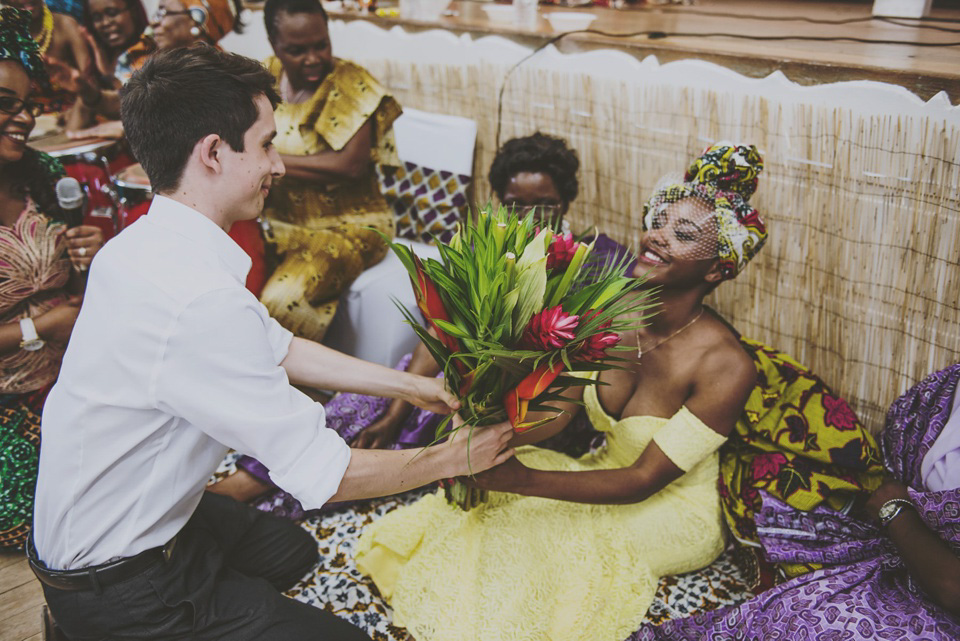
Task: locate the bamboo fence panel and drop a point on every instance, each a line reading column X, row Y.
column 860, row 278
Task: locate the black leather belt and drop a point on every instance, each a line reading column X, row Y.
column 98, row 577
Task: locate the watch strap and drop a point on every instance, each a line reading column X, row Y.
column 28, row 330
column 898, row 506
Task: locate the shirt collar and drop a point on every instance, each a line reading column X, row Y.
column 191, row 224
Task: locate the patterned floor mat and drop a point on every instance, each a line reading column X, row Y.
column 337, row 586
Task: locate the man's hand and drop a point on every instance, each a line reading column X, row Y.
column 431, row 394
column 506, row 477
column 475, row 449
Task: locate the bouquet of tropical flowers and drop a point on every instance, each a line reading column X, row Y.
column 512, row 310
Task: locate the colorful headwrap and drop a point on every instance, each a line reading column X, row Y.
column 722, row 179
column 215, row 17
column 17, row 44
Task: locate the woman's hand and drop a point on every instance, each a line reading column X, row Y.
column 81, row 82
column 506, row 477
column 485, row 447
column 889, row 490
column 83, row 243
column 56, row 324
column 380, row 434
column 112, row 129
column 431, row 394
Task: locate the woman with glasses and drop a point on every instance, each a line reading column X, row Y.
column 175, row 23
column 36, row 312
column 115, row 25
column 60, row 42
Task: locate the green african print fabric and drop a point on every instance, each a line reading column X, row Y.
column 797, row 441
column 19, row 460
column 17, row 44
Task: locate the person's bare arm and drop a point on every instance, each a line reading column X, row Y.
column 77, row 45
column 381, row 472
column 351, row 162
column 383, row 432
column 314, row 365
column 718, row 395
column 930, row 561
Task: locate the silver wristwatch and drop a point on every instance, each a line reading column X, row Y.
column 892, row 508
column 31, row 340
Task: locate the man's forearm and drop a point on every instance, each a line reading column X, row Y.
column 314, row 365
column 374, row 473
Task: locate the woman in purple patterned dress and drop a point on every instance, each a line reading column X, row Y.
column 536, row 171
column 893, row 573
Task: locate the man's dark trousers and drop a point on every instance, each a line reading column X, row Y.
column 221, row 581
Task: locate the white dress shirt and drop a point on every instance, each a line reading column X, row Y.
column 171, row 362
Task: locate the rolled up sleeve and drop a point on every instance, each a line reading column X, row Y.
column 221, row 372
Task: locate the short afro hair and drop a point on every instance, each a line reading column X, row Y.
column 538, row 153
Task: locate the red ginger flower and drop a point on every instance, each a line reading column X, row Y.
column 594, row 347
column 561, row 251
column 551, row 328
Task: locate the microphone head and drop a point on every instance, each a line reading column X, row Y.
column 69, row 193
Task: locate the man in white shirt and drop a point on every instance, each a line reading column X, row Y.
column 171, row 362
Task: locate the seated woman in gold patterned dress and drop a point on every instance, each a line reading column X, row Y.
column 333, row 125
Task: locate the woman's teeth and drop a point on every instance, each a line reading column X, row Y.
column 19, row 137
column 653, row 258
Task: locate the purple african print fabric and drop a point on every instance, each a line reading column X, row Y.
column 863, row 593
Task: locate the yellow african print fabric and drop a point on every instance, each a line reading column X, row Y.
column 797, row 441
column 317, row 231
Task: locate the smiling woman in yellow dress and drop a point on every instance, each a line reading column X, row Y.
column 568, row 549
column 333, row 125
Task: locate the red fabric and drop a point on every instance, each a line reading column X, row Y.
column 246, row 233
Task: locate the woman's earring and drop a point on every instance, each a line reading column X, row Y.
column 194, row 31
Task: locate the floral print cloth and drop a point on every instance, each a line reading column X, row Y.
column 863, row 592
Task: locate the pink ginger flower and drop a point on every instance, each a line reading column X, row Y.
column 561, row 251
column 552, row 328
column 595, row 347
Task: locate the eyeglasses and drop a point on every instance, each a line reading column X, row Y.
column 547, row 211
column 162, row 13
column 13, row 106
column 110, row 12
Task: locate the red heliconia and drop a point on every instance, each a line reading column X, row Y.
column 595, row 347
column 517, row 400
column 431, row 305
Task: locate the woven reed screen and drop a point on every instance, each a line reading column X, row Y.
column 860, row 278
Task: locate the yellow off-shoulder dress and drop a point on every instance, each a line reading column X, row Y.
column 532, row 569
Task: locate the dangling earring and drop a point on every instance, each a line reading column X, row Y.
column 194, row 31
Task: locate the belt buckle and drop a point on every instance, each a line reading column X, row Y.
column 168, row 549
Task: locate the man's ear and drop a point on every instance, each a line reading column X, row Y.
column 209, row 149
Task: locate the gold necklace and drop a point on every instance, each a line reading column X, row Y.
column 46, row 33
column 640, row 351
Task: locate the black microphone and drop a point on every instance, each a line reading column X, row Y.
column 71, row 199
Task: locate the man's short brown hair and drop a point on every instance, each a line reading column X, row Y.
column 183, row 95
